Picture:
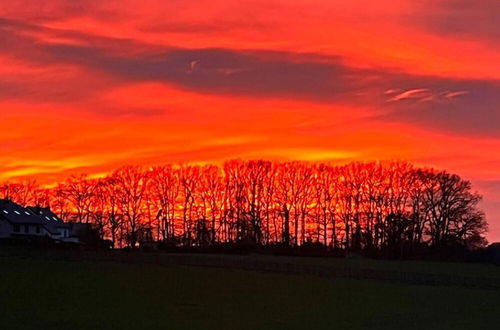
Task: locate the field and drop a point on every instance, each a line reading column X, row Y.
column 61, row 294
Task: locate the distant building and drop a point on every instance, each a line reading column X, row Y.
column 34, row 222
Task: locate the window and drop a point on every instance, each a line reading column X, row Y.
column 55, row 219
column 5, row 211
column 26, row 229
column 26, row 212
column 16, row 212
column 16, row 228
column 38, row 229
column 46, row 217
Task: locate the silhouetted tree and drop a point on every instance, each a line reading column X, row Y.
column 376, row 206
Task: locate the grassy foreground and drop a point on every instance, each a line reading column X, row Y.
column 38, row 294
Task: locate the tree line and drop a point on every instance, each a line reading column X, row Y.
column 350, row 207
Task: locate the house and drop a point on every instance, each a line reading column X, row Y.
column 33, row 222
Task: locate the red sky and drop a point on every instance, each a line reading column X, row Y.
column 89, row 85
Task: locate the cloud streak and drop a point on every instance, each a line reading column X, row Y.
column 466, row 19
column 456, row 105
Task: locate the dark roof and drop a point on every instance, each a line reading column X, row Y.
column 17, row 214
column 34, row 215
column 52, row 221
column 46, row 214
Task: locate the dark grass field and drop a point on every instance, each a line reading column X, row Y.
column 43, row 294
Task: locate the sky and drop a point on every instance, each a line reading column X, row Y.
column 87, row 86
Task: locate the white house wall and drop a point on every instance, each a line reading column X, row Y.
column 5, row 228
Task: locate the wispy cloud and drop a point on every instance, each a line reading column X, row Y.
column 419, row 93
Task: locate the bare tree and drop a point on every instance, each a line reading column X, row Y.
column 131, row 183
